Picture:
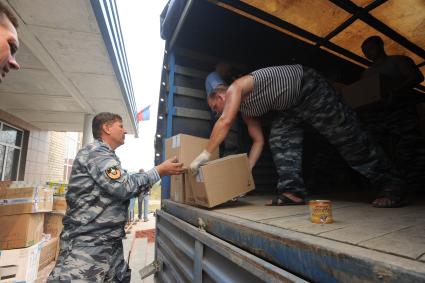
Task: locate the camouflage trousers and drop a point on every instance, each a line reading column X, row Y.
column 322, row 107
column 82, row 263
column 397, row 130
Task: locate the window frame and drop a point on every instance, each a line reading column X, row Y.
column 14, row 146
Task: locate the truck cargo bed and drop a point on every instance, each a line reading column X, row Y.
column 364, row 244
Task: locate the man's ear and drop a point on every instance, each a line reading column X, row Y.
column 106, row 128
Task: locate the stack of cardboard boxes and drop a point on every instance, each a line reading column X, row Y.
column 217, row 182
column 24, row 242
column 53, row 226
column 59, row 192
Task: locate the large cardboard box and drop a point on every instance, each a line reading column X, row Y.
column 364, row 91
column 59, row 204
column 19, row 265
column 186, row 148
column 181, row 190
column 53, row 224
column 49, row 252
column 20, row 200
column 221, row 180
column 20, row 231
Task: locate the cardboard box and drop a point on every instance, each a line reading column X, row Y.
column 20, row 231
column 186, row 148
column 181, row 190
column 189, row 196
column 49, row 252
column 339, row 86
column 5, row 184
column 23, row 200
column 53, row 224
column 177, row 193
column 363, row 92
column 221, row 180
column 19, row 265
column 59, row 204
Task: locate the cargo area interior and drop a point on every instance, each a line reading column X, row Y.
column 205, row 39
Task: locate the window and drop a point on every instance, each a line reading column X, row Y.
column 10, row 151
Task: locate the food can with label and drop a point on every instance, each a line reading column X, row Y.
column 321, row 211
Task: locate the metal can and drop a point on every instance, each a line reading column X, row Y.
column 321, row 211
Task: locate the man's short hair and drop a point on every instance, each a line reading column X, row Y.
column 5, row 11
column 217, row 90
column 374, row 39
column 103, row 118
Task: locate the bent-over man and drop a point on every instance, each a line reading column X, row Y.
column 299, row 95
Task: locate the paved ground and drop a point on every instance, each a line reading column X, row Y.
column 142, row 252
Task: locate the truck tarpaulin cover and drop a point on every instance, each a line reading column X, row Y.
column 170, row 17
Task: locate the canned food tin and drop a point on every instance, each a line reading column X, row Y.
column 321, row 211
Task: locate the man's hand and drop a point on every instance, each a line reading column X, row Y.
column 170, row 167
column 200, row 160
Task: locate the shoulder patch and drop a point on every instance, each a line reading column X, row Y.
column 113, row 172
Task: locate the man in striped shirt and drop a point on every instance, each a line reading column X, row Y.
column 299, row 95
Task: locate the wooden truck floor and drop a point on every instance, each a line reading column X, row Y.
column 387, row 243
column 399, row 231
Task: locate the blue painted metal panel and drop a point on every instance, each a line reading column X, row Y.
column 170, row 99
column 166, row 181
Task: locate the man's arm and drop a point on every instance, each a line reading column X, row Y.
column 233, row 101
column 221, row 128
column 409, row 71
column 108, row 174
column 256, row 133
column 224, row 123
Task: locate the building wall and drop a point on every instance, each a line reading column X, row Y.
column 57, row 147
column 46, row 152
column 36, row 157
column 36, row 168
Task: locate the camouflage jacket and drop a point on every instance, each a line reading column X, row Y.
column 98, row 195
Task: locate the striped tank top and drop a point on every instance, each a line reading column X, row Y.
column 275, row 88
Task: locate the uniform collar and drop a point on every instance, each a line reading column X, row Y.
column 102, row 143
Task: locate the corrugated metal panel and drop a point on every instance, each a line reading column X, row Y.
column 190, row 254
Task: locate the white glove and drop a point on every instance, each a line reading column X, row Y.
column 200, row 160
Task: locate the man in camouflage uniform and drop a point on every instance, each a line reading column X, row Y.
column 393, row 121
column 299, row 95
column 324, row 109
column 98, row 195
